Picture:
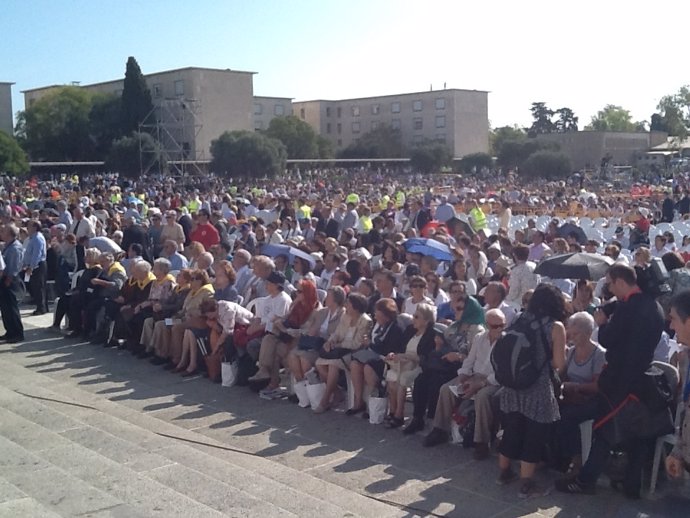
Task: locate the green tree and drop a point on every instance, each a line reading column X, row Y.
column 513, row 153
column 104, row 123
column 247, row 154
column 430, row 156
column 133, row 155
column 546, row 164
column 136, row 98
column 382, row 142
column 542, row 122
column 475, row 162
column 300, row 139
column 13, row 159
column 56, row 126
column 567, row 120
column 499, row 135
column 674, row 113
column 613, row 118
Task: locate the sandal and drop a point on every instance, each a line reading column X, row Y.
column 527, row 489
column 355, row 410
column 506, row 477
column 395, row 422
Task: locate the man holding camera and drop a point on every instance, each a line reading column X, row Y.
column 630, row 333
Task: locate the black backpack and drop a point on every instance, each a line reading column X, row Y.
column 515, row 355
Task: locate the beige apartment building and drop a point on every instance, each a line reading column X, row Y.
column 6, row 120
column 267, row 108
column 193, row 106
column 459, row 118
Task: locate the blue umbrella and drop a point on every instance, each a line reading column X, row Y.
column 291, row 252
column 436, row 249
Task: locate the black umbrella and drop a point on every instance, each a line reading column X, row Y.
column 575, row 266
column 464, row 226
column 569, row 228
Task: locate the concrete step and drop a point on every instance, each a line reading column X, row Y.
column 131, row 456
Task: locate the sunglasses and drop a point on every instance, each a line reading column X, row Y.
column 496, row 326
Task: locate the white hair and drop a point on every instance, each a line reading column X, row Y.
column 583, row 322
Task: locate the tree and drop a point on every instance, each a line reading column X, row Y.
column 300, row 139
column 134, row 154
column 567, row 120
column 382, row 142
column 56, row 126
column 325, row 147
column 546, row 164
column 542, row 123
column 613, row 118
column 136, row 98
column 430, row 156
column 104, row 123
column 475, row 162
column 247, row 154
column 13, row 159
column 514, row 152
column 499, row 135
column 674, row 113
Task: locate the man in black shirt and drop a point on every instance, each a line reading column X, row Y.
column 630, row 335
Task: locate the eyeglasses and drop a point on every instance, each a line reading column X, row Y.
column 496, row 326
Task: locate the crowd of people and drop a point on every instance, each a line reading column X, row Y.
column 377, row 286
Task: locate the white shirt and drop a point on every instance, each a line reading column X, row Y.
column 85, row 228
column 508, row 311
column 271, row 308
column 410, row 307
column 522, row 279
column 479, row 359
column 325, row 280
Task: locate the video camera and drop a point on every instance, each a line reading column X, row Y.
column 653, row 280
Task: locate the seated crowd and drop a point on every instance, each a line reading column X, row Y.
column 288, row 305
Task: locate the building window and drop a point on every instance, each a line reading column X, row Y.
column 355, row 111
column 258, row 125
column 441, row 137
column 339, row 111
column 301, row 113
column 440, row 104
column 279, row 110
column 440, row 121
column 417, row 124
column 417, row 139
column 356, row 126
column 179, row 87
column 328, row 127
column 395, row 107
column 157, row 91
column 395, row 124
column 374, row 125
column 339, row 128
column 328, row 111
column 417, row 106
column 258, row 109
column 375, row 109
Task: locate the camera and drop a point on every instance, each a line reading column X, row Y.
column 653, row 279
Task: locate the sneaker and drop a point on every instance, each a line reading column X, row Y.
column 416, row 425
column 506, row 477
column 269, row 393
column 528, row 489
column 574, row 487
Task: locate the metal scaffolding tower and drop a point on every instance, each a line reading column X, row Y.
column 174, row 123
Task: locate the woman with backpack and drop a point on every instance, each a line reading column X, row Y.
column 529, row 404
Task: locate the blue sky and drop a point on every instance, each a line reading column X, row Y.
column 583, row 57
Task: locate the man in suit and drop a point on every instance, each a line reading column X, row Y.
column 134, row 233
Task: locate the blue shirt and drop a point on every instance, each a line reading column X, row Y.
column 35, row 251
column 445, row 312
column 13, row 254
column 178, row 262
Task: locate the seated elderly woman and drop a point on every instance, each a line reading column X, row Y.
column 469, row 319
column 155, row 325
column 404, row 367
column 167, row 343
column 74, row 301
column 106, row 286
column 320, row 325
column 351, row 334
column 584, row 361
column 161, row 288
column 224, row 281
column 121, row 309
column 367, row 366
column 276, row 344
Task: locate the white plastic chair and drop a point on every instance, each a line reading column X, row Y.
column 586, row 438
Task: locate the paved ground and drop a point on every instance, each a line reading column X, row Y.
column 87, row 431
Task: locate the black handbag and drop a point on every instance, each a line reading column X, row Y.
column 310, row 343
column 335, row 353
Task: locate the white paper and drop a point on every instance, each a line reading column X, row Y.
column 168, row 321
column 27, row 276
column 456, row 390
